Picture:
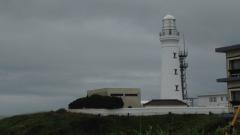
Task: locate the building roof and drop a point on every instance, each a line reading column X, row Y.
column 168, row 16
column 228, row 48
column 229, row 79
column 217, row 94
column 165, row 102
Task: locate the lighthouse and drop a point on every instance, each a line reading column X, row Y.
column 171, row 83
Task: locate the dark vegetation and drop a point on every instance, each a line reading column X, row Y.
column 65, row 123
column 97, row 101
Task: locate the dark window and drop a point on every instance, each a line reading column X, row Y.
column 131, row 95
column 221, row 98
column 176, row 87
column 174, row 55
column 234, row 68
column 170, row 32
column 236, row 95
column 212, row 99
column 116, row 94
column 175, row 72
column 235, row 64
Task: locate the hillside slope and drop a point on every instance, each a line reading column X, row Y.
column 64, row 123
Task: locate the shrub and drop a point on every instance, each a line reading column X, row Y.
column 61, row 110
column 97, row 101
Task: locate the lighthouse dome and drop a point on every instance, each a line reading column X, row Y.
column 169, row 17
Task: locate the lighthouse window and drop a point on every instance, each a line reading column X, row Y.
column 175, row 72
column 176, row 86
column 174, row 55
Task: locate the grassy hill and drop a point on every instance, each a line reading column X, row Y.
column 64, row 123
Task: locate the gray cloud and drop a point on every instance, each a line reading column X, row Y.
column 52, row 51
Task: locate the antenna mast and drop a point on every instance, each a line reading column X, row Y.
column 183, row 67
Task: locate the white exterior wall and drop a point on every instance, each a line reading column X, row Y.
column 204, row 101
column 153, row 111
column 168, row 77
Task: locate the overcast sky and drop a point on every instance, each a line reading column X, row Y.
column 53, row 51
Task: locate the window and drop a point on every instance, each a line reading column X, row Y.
column 235, row 95
column 212, row 99
column 234, row 68
column 131, row 94
column 116, row 94
column 176, row 87
column 170, row 32
column 174, row 55
column 235, row 64
column 221, row 98
column 175, row 72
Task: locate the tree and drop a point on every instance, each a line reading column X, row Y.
column 98, row 102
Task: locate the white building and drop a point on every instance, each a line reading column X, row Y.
column 214, row 100
column 170, row 66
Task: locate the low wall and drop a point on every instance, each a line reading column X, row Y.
column 153, row 111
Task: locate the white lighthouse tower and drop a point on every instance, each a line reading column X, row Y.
column 171, row 87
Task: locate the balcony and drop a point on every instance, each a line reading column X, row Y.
column 169, row 36
column 174, row 33
column 234, row 72
column 235, row 102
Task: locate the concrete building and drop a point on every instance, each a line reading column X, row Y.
column 131, row 96
column 171, row 82
column 233, row 72
column 213, row 100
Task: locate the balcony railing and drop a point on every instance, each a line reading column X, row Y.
column 235, row 102
column 229, row 79
column 169, row 33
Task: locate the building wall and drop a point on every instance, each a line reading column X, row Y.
column 153, row 111
column 212, row 101
column 98, row 92
column 151, row 106
column 169, row 79
column 131, row 96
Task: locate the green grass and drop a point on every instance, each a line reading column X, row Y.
column 64, row 123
